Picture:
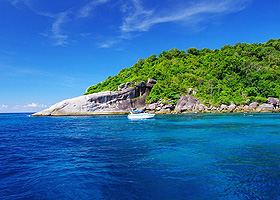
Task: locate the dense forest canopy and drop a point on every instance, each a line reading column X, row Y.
column 232, row 74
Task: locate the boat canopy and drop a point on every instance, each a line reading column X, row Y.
column 136, row 111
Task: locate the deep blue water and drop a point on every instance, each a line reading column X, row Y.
column 192, row 156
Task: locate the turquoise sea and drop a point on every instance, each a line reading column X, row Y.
column 190, row 156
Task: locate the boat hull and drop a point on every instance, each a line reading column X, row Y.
column 141, row 116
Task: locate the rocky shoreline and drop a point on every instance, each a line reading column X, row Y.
column 133, row 96
column 189, row 104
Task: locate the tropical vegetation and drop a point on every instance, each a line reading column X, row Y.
column 240, row 73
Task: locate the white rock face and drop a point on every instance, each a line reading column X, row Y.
column 98, row 103
column 85, row 104
column 108, row 102
column 265, row 108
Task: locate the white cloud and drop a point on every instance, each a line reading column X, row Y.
column 32, row 107
column 35, row 105
column 3, row 107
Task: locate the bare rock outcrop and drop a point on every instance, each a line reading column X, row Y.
column 265, row 107
column 273, row 101
column 108, row 102
column 160, row 107
column 232, row 107
column 189, row 103
column 125, row 85
column 192, row 91
column 253, row 106
column 151, row 81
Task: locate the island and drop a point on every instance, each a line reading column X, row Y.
column 240, row 78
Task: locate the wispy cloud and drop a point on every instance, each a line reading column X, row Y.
column 134, row 16
column 137, row 14
column 16, row 3
column 138, row 17
column 141, row 19
column 109, row 43
column 69, row 15
column 86, row 10
column 57, row 35
column 55, row 32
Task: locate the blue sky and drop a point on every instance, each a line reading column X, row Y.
column 52, row 50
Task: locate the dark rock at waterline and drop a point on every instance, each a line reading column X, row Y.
column 160, row 107
column 189, row 103
column 273, row 101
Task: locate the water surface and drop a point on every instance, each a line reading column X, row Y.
column 192, row 156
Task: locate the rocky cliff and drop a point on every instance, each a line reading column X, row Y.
column 130, row 95
column 133, row 96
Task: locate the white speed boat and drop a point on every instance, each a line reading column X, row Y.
column 140, row 115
